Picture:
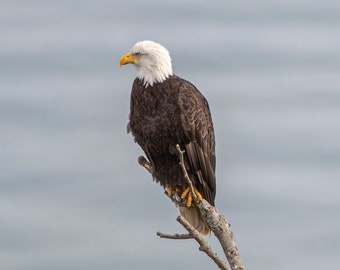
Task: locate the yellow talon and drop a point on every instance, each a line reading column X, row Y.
column 187, row 194
column 189, row 200
column 170, row 191
column 198, row 195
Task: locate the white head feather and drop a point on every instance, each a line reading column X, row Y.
column 154, row 63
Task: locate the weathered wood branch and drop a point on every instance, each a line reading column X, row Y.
column 213, row 218
column 194, row 234
column 221, row 229
column 180, row 154
column 146, row 164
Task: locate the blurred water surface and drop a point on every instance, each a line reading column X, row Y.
column 71, row 193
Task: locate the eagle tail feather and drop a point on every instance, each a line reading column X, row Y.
column 193, row 216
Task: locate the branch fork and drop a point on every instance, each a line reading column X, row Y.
column 213, row 218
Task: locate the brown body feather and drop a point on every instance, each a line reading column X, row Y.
column 169, row 113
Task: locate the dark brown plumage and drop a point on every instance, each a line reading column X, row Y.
column 169, row 113
column 167, row 110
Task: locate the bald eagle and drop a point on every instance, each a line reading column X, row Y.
column 166, row 110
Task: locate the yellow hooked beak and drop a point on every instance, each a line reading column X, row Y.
column 127, row 59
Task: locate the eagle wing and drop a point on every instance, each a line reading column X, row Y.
column 200, row 144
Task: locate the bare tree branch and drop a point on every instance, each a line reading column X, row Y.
column 194, row 234
column 216, row 222
column 146, row 164
column 221, row 229
column 175, row 236
column 213, row 218
column 186, row 175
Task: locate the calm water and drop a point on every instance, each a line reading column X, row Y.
column 71, row 193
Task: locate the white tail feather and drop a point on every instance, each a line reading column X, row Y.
column 193, row 216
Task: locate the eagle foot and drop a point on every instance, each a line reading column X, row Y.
column 173, row 195
column 172, row 191
column 188, row 195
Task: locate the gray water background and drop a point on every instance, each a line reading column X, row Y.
column 71, row 193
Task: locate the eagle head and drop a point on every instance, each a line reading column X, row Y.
column 152, row 61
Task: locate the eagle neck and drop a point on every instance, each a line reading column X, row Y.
column 157, row 84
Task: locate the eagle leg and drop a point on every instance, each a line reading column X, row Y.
column 187, row 194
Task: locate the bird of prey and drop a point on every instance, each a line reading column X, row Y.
column 165, row 111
